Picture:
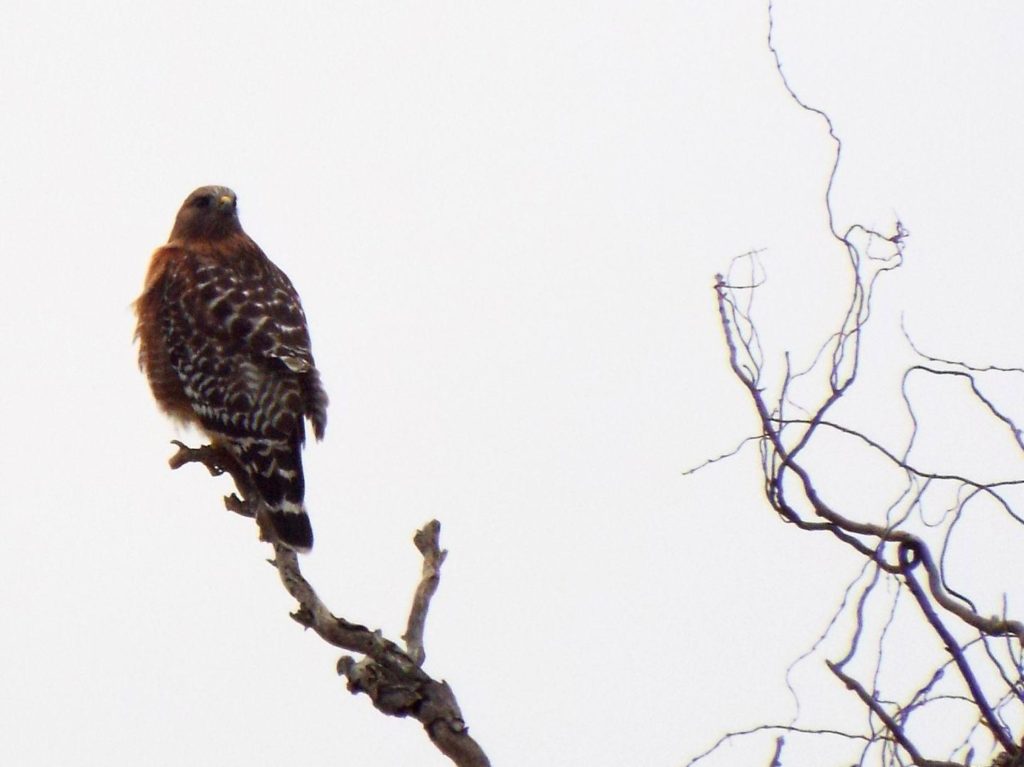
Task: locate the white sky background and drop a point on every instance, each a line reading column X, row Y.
column 504, row 220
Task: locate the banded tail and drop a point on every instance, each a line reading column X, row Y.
column 276, row 469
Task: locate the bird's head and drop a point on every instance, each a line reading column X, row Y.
column 209, row 212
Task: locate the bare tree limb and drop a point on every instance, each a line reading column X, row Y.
column 427, row 541
column 910, row 557
column 797, row 461
column 393, row 678
column 891, row 724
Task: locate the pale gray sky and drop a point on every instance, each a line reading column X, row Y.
column 503, row 220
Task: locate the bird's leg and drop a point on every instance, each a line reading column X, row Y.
column 217, row 461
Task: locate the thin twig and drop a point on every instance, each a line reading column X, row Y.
column 773, row 727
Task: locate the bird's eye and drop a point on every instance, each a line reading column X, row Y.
column 203, row 202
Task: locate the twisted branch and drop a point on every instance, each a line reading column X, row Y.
column 895, row 549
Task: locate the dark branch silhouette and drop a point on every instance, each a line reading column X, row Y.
column 901, row 604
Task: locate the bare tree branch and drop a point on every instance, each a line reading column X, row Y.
column 427, row 541
column 896, row 538
column 890, row 724
column 393, row 678
column 910, row 558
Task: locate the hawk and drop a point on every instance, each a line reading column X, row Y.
column 224, row 343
